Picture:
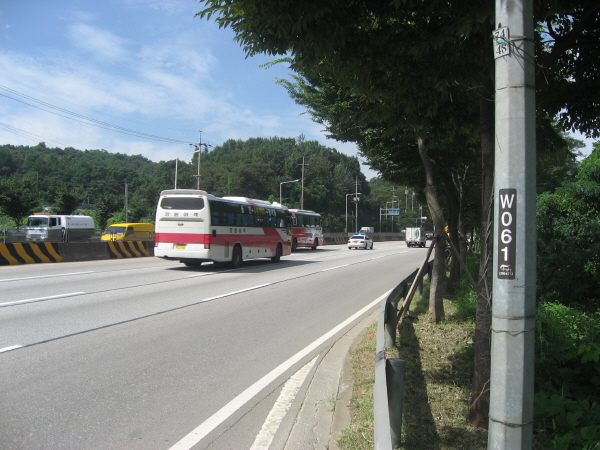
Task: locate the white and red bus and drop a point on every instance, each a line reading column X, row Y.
column 307, row 229
column 193, row 227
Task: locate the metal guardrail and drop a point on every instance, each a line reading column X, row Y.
column 388, row 391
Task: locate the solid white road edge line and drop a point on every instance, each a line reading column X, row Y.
column 226, row 411
column 12, row 347
column 41, row 298
column 280, row 408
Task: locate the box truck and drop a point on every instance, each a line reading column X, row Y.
column 415, row 237
column 59, row 228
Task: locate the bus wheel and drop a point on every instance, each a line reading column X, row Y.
column 316, row 244
column 278, row 254
column 294, row 245
column 236, row 257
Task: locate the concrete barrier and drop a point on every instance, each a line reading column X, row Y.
column 29, row 253
column 128, row 249
column 45, row 252
column 83, row 251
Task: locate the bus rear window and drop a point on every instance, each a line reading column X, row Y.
column 182, row 203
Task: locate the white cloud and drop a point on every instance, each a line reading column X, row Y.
column 100, row 44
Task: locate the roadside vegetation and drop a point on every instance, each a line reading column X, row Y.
column 439, row 370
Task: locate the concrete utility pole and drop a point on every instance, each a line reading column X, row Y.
column 513, row 307
column 302, row 194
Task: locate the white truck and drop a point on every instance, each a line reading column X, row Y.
column 415, row 237
column 367, row 230
column 57, row 228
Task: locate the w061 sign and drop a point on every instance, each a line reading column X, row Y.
column 507, row 233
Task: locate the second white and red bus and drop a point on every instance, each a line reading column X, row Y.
column 193, row 227
column 307, row 229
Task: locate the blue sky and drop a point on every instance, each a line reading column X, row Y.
column 143, row 65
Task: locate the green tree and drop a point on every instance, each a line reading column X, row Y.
column 569, row 239
column 18, row 198
column 66, row 199
column 105, row 205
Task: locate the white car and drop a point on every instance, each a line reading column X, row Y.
column 360, row 241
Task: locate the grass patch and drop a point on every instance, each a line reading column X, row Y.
column 359, row 434
column 439, row 369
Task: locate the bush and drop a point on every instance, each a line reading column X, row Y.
column 465, row 297
column 567, row 377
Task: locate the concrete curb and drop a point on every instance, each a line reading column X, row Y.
column 325, row 408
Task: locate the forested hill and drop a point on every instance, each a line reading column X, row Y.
column 66, row 178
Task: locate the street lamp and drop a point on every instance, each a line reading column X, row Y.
column 282, row 183
column 356, row 198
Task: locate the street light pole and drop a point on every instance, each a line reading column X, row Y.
column 282, row 183
column 356, row 194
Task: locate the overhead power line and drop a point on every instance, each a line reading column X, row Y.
column 84, row 107
column 85, row 120
column 27, row 135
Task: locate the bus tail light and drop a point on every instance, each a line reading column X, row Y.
column 207, row 241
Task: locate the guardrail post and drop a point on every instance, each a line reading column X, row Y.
column 395, row 369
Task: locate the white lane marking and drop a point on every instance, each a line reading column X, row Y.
column 226, row 411
column 280, row 408
column 46, row 276
column 7, row 349
column 336, row 267
column 235, row 292
column 31, row 300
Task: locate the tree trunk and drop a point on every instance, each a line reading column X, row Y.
column 436, row 292
column 462, row 231
column 453, row 223
column 480, row 394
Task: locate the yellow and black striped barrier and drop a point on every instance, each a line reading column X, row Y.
column 29, row 253
column 127, row 249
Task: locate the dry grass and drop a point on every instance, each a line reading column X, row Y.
column 439, row 366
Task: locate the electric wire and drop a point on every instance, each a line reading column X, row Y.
column 84, row 107
column 27, row 135
column 86, row 120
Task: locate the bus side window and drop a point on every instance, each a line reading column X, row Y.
column 52, row 221
column 215, row 218
column 230, row 219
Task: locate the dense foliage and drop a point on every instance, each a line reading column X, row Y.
column 567, row 377
column 63, row 180
column 569, row 239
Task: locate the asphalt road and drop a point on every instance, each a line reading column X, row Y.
column 149, row 354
